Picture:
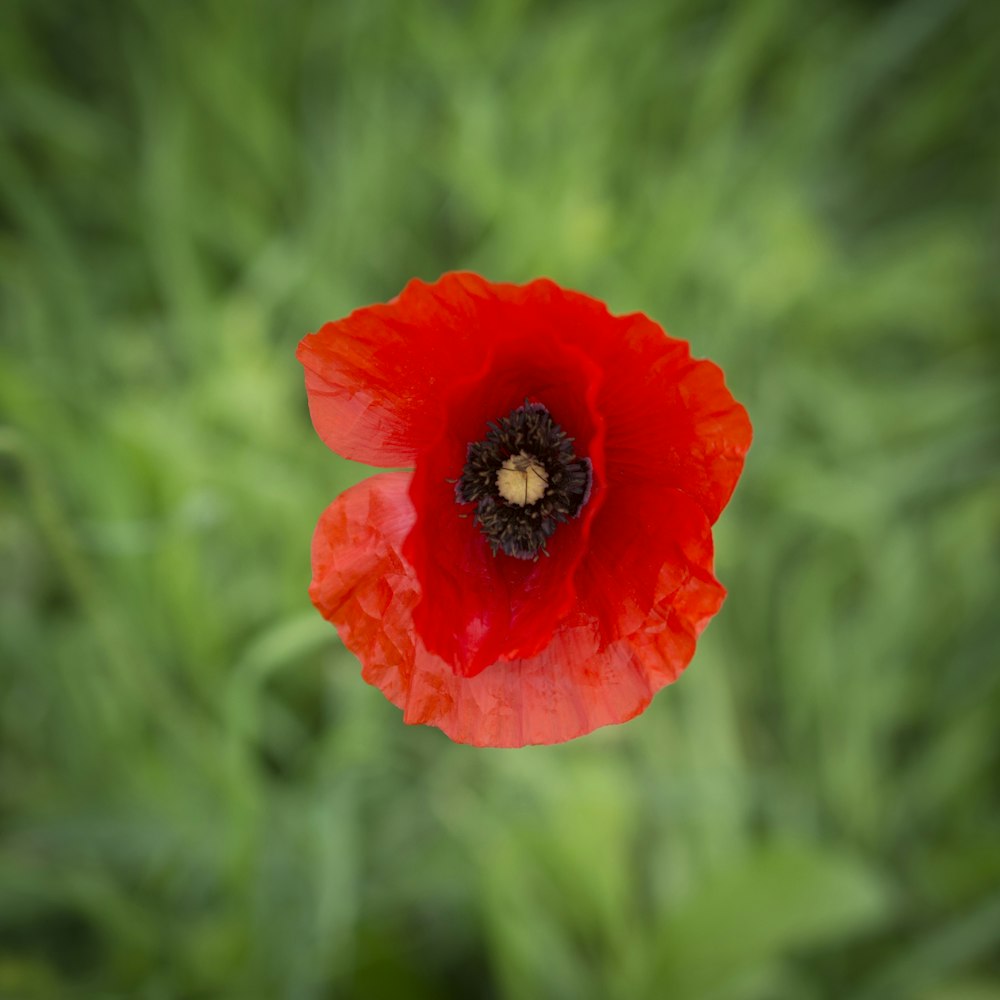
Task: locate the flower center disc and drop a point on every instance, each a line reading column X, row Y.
column 525, row 479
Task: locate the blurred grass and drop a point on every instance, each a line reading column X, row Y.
column 198, row 796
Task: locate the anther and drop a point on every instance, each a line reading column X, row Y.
column 524, row 479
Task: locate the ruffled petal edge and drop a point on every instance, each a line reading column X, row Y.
column 362, row 584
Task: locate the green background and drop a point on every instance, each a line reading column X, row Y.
column 199, row 797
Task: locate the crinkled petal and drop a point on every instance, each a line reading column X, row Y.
column 364, row 586
column 670, row 420
column 646, row 545
column 360, row 582
column 377, row 380
column 482, row 607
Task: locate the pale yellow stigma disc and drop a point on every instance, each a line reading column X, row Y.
column 522, row 479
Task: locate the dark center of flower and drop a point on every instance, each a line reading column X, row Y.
column 524, row 479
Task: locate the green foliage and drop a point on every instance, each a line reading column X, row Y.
column 198, row 796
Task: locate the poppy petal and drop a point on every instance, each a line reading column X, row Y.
column 487, row 607
column 360, row 582
column 363, row 585
column 376, row 380
column 670, row 418
column 650, row 552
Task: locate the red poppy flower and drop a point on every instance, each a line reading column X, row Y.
column 547, row 565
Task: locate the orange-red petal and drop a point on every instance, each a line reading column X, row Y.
column 669, row 417
column 377, row 379
column 363, row 585
column 483, row 607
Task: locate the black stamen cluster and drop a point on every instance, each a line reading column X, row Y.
column 515, row 530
